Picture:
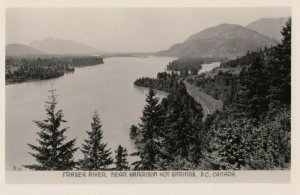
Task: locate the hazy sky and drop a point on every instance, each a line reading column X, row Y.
column 125, row 29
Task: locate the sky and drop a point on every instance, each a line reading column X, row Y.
column 125, row 29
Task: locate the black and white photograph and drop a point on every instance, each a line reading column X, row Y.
column 148, row 89
column 138, row 93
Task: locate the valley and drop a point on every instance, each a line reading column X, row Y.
column 218, row 100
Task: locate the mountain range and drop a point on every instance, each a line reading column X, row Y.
column 228, row 40
column 221, row 41
column 62, row 47
column 270, row 27
column 21, row 50
column 51, row 46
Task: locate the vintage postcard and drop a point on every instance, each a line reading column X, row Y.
column 148, row 95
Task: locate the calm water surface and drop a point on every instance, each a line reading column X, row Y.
column 209, row 67
column 107, row 88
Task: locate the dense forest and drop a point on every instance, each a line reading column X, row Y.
column 164, row 82
column 252, row 132
column 189, row 65
column 20, row 69
column 222, row 86
column 243, row 60
column 168, row 135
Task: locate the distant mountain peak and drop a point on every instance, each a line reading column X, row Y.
column 223, row 40
column 16, row 49
column 270, row 27
column 57, row 46
column 225, row 30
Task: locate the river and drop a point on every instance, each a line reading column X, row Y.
column 209, row 67
column 107, row 88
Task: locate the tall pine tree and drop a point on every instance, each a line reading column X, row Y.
column 252, row 98
column 52, row 153
column 283, row 54
column 96, row 154
column 150, row 128
column 121, row 159
column 182, row 124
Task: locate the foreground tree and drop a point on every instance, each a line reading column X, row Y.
column 52, row 153
column 150, row 128
column 121, row 159
column 96, row 154
column 281, row 83
column 182, row 129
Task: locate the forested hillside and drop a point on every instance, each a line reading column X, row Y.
column 252, row 132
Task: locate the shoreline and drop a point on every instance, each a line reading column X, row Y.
column 29, row 80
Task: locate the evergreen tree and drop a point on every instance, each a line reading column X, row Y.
column 170, row 128
column 181, row 138
column 252, row 96
column 96, row 154
column 180, row 122
column 196, row 141
column 52, row 153
column 229, row 144
column 121, row 161
column 283, row 61
column 150, row 129
column 286, row 41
